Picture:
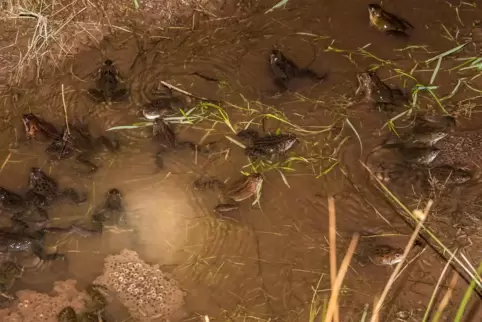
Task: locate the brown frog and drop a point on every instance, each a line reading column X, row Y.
column 20, row 238
column 387, row 22
column 268, row 145
column 19, row 208
column 9, row 272
column 165, row 138
column 77, row 140
column 39, row 129
column 108, row 85
column 445, row 151
column 42, row 186
column 375, row 91
column 238, row 191
column 94, row 308
column 164, row 104
column 285, row 70
column 379, row 254
column 111, row 212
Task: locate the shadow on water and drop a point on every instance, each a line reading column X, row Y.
column 267, row 263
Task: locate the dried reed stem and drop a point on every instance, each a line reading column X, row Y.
column 446, row 297
column 332, row 304
column 332, row 236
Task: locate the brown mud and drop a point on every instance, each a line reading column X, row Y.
column 267, row 265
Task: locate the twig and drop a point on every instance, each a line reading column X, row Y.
column 182, row 91
column 5, row 162
column 339, row 278
column 332, row 236
column 65, row 111
column 434, row 294
column 446, row 297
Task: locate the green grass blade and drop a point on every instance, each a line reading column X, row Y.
column 467, row 295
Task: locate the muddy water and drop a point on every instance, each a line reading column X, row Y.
column 268, row 262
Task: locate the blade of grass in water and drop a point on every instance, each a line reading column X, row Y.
column 356, row 133
column 130, row 127
column 436, row 70
column 467, row 295
column 448, row 52
column 276, row 6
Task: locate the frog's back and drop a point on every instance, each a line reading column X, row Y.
column 463, row 149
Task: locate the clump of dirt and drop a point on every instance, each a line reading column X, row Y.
column 33, row 306
column 147, row 292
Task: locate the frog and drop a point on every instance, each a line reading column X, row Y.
column 232, row 194
column 387, row 22
column 385, row 255
column 108, row 88
column 77, row 140
column 18, row 207
column 42, row 186
column 9, row 272
column 456, row 152
column 164, row 104
column 94, row 307
column 19, row 238
column 39, row 129
column 284, row 70
column 112, row 211
column 165, row 137
column 375, row 91
column 68, row 314
column 266, row 146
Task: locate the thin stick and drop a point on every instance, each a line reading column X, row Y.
column 5, row 162
column 434, row 294
column 332, row 236
column 391, row 280
column 332, row 304
column 182, row 91
column 65, row 111
column 446, row 297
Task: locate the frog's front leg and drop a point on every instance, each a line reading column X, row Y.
column 84, row 158
column 39, row 251
column 226, row 205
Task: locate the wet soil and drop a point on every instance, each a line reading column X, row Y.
column 267, row 264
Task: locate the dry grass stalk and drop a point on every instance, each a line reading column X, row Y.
column 435, row 291
column 332, row 236
column 335, row 291
column 446, row 297
column 421, row 216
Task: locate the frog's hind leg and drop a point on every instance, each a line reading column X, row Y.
column 159, row 159
column 397, row 33
column 306, row 72
column 96, row 95
column 39, row 251
column 120, row 95
column 74, row 196
column 111, row 144
column 83, row 158
column 248, row 134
